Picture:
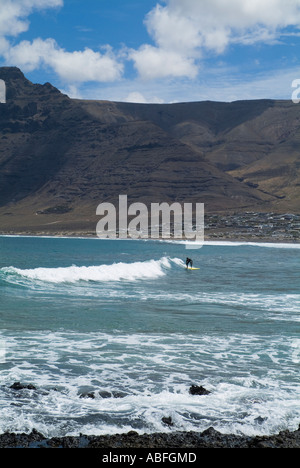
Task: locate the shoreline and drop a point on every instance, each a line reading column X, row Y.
column 209, row 438
column 207, row 241
column 232, row 227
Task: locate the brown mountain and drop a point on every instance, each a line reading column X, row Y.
column 61, row 157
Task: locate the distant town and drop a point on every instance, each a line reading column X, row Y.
column 253, row 226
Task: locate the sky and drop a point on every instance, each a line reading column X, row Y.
column 155, row 51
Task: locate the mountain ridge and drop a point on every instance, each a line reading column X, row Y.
column 61, row 157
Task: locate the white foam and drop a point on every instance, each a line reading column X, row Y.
column 249, row 376
column 274, row 245
column 151, row 269
column 226, row 243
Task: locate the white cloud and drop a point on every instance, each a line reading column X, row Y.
column 181, row 35
column 221, row 83
column 152, row 62
column 139, row 98
column 14, row 14
column 172, row 31
column 232, row 17
column 185, row 29
column 72, row 67
column 86, row 65
column 28, row 55
column 136, row 97
column 72, row 91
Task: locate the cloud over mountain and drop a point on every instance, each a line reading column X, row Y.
column 76, row 66
column 158, row 51
column 183, row 30
column 180, row 32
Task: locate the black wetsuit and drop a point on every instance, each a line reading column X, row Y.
column 189, row 262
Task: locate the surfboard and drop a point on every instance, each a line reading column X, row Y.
column 192, row 268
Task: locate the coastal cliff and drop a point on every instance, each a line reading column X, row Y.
column 61, row 157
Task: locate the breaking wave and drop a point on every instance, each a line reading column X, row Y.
column 151, row 269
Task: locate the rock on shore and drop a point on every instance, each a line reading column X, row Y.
column 207, row 439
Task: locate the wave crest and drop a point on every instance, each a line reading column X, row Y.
column 151, row 269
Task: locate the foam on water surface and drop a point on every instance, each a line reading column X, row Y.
column 125, row 322
column 103, row 273
column 150, row 376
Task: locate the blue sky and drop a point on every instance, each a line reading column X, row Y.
column 155, row 51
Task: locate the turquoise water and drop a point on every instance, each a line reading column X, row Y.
column 125, row 320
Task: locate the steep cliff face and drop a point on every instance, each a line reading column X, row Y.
column 60, row 158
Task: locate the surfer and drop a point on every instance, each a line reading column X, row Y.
column 188, row 262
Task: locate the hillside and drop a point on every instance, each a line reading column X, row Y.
column 61, row 157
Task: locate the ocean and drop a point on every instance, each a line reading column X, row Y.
column 113, row 333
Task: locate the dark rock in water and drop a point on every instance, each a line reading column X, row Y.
column 113, row 394
column 167, row 421
column 260, row 419
column 198, row 390
column 19, row 386
column 105, row 394
column 11, row 440
column 119, row 394
column 88, row 395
